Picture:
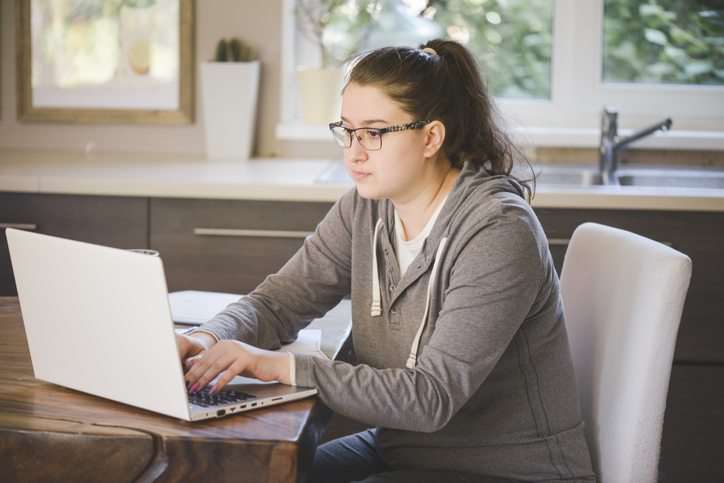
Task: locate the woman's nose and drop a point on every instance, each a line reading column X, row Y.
column 355, row 152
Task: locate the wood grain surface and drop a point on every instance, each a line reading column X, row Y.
column 51, row 433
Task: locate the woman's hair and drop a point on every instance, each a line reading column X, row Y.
column 441, row 80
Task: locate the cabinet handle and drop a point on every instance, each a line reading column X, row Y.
column 19, row 226
column 561, row 242
column 251, row 233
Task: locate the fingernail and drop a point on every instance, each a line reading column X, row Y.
column 194, row 388
column 214, row 389
column 187, row 383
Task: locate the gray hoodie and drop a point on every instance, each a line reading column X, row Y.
column 464, row 360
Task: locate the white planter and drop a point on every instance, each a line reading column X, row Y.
column 229, row 97
column 321, row 94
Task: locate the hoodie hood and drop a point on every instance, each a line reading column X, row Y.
column 469, row 190
column 473, row 185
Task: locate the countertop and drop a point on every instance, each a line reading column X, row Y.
column 193, row 176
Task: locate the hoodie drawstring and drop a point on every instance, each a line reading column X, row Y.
column 412, row 360
column 376, row 310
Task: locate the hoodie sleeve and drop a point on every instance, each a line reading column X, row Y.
column 494, row 280
column 311, row 283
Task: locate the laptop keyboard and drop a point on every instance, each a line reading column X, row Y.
column 204, row 399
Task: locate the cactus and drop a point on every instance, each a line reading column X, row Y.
column 233, row 51
column 247, row 54
column 221, row 51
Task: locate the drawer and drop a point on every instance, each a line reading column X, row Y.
column 120, row 222
column 228, row 245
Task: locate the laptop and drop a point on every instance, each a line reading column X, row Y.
column 98, row 320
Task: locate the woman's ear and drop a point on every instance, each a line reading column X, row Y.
column 435, row 135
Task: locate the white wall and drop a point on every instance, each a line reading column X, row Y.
column 253, row 21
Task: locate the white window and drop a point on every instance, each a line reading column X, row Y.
column 582, row 79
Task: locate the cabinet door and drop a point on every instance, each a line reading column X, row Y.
column 228, row 245
column 696, row 234
column 691, row 447
column 120, row 222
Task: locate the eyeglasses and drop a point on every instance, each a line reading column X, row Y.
column 369, row 138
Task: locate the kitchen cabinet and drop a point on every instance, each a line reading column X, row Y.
column 120, row 222
column 228, row 245
column 694, row 419
column 259, row 236
column 232, row 245
column 696, row 234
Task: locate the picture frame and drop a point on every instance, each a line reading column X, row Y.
column 113, row 62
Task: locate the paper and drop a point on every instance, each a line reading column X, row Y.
column 191, row 307
column 309, row 341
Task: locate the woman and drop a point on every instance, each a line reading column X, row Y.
column 457, row 316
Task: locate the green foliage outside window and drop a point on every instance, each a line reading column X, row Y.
column 512, row 38
column 654, row 41
column 664, row 41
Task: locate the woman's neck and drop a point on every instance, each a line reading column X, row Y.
column 416, row 213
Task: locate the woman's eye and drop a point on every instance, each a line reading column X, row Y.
column 373, row 134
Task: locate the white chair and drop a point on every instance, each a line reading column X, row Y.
column 623, row 295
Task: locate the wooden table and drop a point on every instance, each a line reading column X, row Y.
column 51, row 433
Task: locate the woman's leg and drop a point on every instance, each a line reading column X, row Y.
column 351, row 458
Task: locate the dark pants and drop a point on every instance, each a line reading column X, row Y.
column 354, row 458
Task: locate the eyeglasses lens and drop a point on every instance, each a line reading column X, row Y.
column 370, row 139
column 341, row 136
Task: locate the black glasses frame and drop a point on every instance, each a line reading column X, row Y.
column 380, row 132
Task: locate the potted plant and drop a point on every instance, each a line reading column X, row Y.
column 230, row 88
column 337, row 29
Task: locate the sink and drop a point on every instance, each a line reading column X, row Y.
column 336, row 173
column 568, row 176
column 674, row 179
column 654, row 176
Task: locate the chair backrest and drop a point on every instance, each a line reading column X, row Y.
column 623, row 295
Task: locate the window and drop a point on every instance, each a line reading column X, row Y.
column 663, row 42
column 554, row 64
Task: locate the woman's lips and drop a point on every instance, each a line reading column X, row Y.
column 359, row 175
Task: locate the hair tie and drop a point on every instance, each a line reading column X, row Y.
column 430, row 51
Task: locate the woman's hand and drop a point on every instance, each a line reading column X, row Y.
column 229, row 358
column 190, row 346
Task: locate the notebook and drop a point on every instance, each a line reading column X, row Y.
column 98, row 320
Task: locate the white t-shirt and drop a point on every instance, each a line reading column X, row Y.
column 408, row 250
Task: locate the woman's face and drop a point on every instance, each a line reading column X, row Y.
column 400, row 170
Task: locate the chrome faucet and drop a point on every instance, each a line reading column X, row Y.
column 611, row 145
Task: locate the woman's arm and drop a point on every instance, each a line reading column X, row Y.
column 311, row 283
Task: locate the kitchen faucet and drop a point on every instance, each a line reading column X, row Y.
column 611, row 145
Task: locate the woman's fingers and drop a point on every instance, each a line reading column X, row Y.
column 226, row 356
column 224, row 379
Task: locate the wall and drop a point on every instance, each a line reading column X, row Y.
column 254, row 21
column 249, row 20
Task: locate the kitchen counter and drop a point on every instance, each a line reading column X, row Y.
column 192, row 176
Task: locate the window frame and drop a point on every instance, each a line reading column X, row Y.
column 571, row 117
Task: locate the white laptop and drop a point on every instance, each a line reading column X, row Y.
column 98, row 321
